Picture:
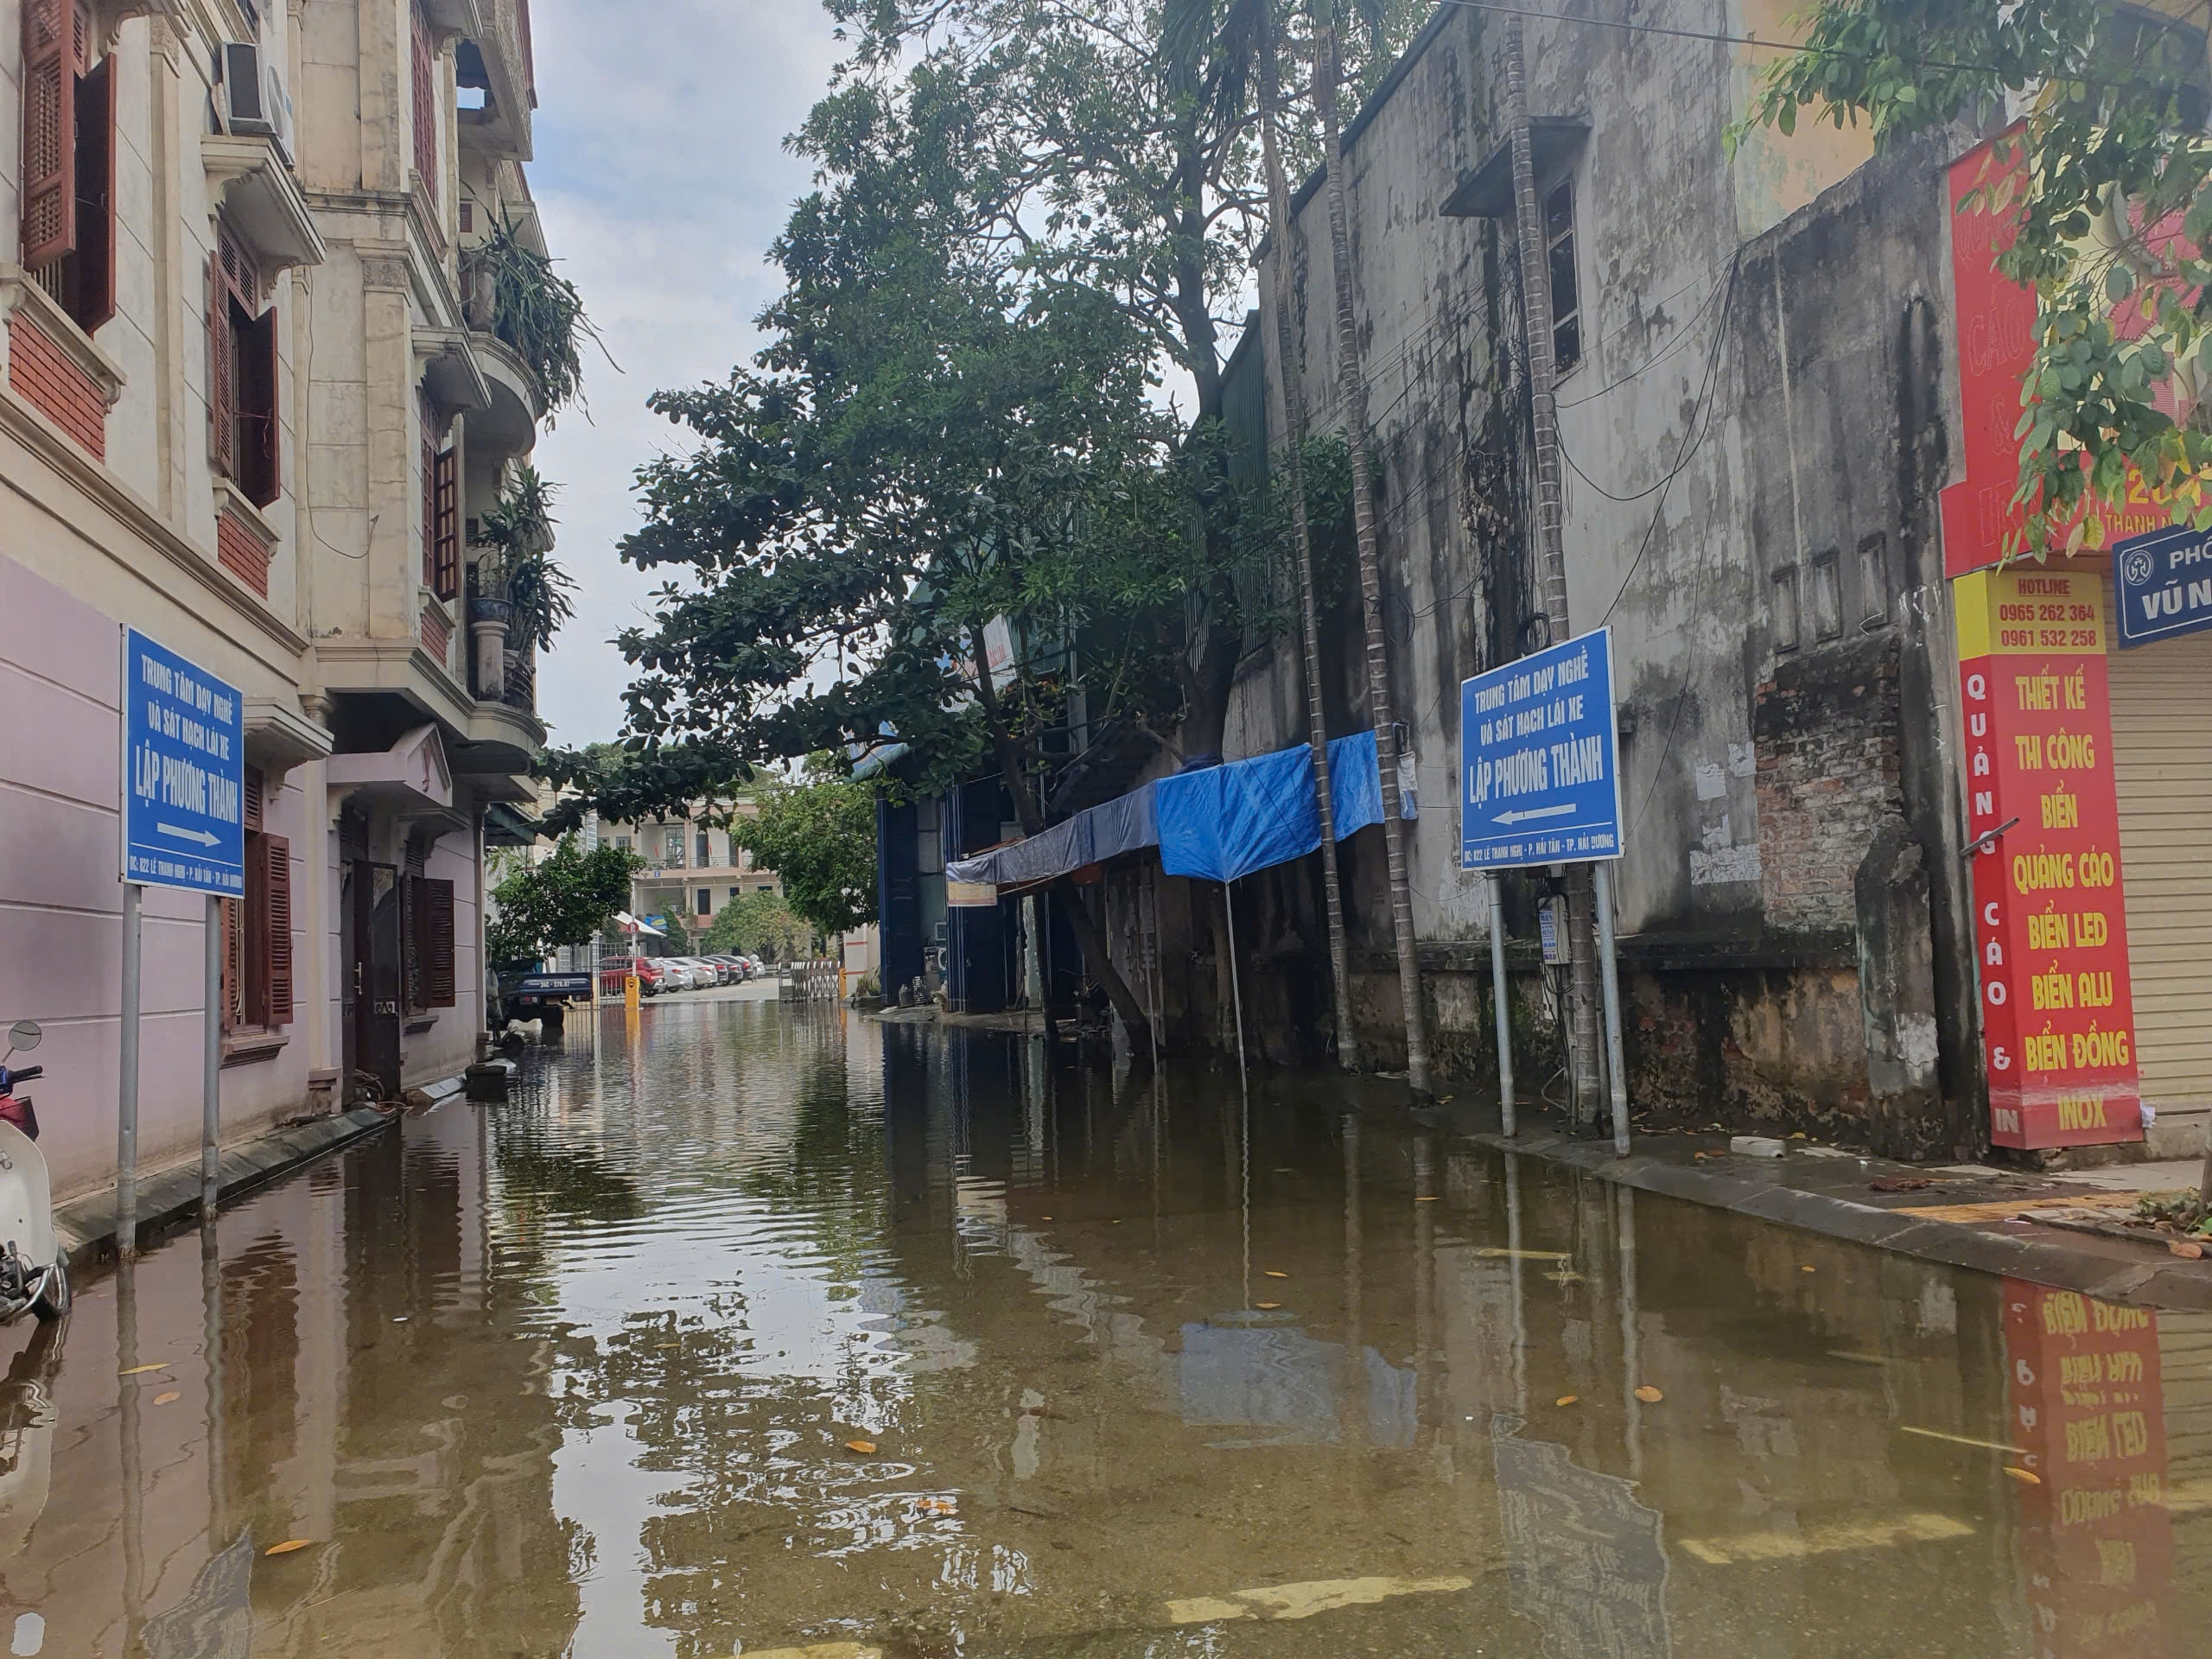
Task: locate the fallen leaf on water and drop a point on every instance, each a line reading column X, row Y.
column 138, row 1370
column 938, row 1505
column 2186, row 1250
column 168, row 1399
column 862, row 1446
column 1425, row 1197
column 2028, row 1475
column 1271, row 1273
column 1809, row 1269
column 1266, row 1307
column 288, row 1546
column 1650, row 1395
column 1566, row 1399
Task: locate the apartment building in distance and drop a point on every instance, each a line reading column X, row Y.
column 693, row 868
column 260, row 375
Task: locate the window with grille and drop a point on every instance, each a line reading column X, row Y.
column 425, row 104
column 426, row 934
column 440, row 516
column 68, row 160
column 1566, row 298
column 242, row 371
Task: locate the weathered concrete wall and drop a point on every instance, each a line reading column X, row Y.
column 1753, row 438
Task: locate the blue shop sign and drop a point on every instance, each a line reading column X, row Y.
column 1539, row 760
column 2163, row 583
column 183, row 773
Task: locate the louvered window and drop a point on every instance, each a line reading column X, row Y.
column 257, row 929
column 68, row 178
column 242, row 372
column 441, row 517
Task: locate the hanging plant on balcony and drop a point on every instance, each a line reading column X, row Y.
column 515, row 562
column 515, row 293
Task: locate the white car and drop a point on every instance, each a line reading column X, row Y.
column 681, row 975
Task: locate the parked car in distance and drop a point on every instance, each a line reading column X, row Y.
column 739, row 973
column 703, row 977
column 682, row 975
column 718, row 966
column 614, row 970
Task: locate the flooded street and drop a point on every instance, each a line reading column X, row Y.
column 744, row 1329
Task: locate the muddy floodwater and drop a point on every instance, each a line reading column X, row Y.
column 744, row 1329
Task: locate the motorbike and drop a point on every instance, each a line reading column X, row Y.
column 34, row 1277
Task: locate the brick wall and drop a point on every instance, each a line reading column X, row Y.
column 1825, row 730
column 44, row 376
column 242, row 552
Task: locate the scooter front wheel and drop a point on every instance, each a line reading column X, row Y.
column 52, row 1299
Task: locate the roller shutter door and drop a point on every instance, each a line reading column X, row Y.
column 2162, row 764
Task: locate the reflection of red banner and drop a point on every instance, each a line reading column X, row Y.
column 2088, row 1409
column 1995, row 319
column 2057, row 1006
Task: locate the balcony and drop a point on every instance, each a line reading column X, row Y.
column 493, row 61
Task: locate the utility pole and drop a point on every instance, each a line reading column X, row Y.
column 1551, row 555
column 1293, row 404
column 1328, row 71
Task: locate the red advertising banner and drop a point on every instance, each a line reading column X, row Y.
column 2089, row 1416
column 2050, row 925
column 1995, row 322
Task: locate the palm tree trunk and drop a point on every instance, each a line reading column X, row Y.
column 1294, row 400
column 1551, row 557
column 1327, row 70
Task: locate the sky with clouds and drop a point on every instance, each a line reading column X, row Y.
column 661, row 177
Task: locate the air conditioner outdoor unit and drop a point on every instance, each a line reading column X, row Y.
column 253, row 98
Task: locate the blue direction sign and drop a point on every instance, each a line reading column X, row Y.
column 1539, row 768
column 2163, row 583
column 183, row 773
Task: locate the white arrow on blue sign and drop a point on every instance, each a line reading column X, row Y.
column 183, row 773
column 1539, row 760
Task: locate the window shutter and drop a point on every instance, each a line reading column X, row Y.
column 261, row 475
column 222, row 395
column 233, row 963
column 437, row 942
column 50, row 229
column 445, row 524
column 276, row 926
column 253, row 796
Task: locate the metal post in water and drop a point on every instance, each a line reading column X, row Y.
column 1610, row 974
column 1632, row 1354
column 211, row 1060
column 1513, row 1264
column 1509, row 1118
column 126, row 1105
column 1235, row 986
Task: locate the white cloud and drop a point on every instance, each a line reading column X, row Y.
column 662, row 179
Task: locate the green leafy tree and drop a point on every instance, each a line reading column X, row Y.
column 2107, row 176
column 565, row 899
column 758, row 924
column 819, row 837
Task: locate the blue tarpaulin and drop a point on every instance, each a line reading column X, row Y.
column 1220, row 822
column 1231, row 820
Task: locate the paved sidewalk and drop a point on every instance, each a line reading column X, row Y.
column 1968, row 1216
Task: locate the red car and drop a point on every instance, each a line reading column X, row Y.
column 612, row 970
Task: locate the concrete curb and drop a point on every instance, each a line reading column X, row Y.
column 85, row 1228
column 2149, row 1283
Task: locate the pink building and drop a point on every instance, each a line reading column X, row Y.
column 257, row 380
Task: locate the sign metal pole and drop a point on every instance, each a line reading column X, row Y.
column 210, row 1060
column 1610, row 976
column 1507, row 1108
column 183, row 827
column 126, row 1105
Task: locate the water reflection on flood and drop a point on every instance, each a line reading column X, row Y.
column 743, row 1329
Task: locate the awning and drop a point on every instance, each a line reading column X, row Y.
column 1219, row 823
column 1231, row 820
